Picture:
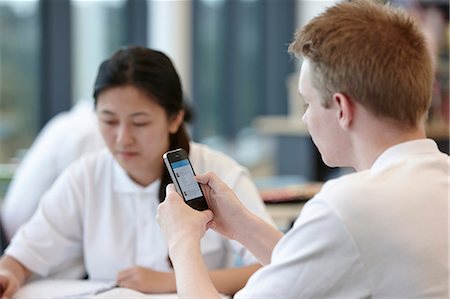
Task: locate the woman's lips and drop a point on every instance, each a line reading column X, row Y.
column 126, row 154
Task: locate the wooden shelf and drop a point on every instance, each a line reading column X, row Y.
column 293, row 126
column 280, row 125
column 438, row 131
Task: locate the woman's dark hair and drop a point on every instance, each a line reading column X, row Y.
column 153, row 73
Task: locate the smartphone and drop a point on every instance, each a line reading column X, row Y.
column 182, row 174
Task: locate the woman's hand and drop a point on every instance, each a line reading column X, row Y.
column 8, row 285
column 146, row 280
column 12, row 275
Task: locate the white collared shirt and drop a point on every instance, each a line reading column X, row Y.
column 380, row 233
column 95, row 212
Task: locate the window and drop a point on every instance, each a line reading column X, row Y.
column 49, row 54
column 240, row 63
column 98, row 29
column 19, row 76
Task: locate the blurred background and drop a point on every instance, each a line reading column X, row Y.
column 231, row 56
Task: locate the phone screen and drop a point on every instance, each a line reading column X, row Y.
column 185, row 177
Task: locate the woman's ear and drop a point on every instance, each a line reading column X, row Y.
column 176, row 121
column 345, row 109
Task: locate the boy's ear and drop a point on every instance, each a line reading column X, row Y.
column 176, row 121
column 345, row 109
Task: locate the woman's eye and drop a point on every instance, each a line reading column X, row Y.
column 110, row 122
column 140, row 124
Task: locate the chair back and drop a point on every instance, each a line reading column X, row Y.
column 3, row 242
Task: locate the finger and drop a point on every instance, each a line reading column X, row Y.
column 214, row 182
column 123, row 275
column 172, row 193
column 211, row 225
column 10, row 290
column 170, row 188
column 122, row 283
column 205, row 190
column 204, row 178
column 208, row 214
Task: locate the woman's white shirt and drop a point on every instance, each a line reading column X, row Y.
column 95, row 212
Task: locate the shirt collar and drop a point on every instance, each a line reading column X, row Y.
column 122, row 183
column 404, row 150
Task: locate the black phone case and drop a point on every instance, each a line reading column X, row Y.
column 200, row 203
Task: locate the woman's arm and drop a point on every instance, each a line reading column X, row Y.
column 226, row 281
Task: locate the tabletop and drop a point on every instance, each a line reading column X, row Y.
column 82, row 289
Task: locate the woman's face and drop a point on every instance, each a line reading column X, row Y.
column 136, row 130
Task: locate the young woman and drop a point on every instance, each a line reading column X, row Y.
column 99, row 216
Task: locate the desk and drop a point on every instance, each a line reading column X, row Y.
column 81, row 289
column 284, row 203
column 283, row 214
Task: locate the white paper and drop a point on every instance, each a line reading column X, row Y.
column 131, row 294
column 59, row 289
column 82, row 289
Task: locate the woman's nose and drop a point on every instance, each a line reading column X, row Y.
column 124, row 135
